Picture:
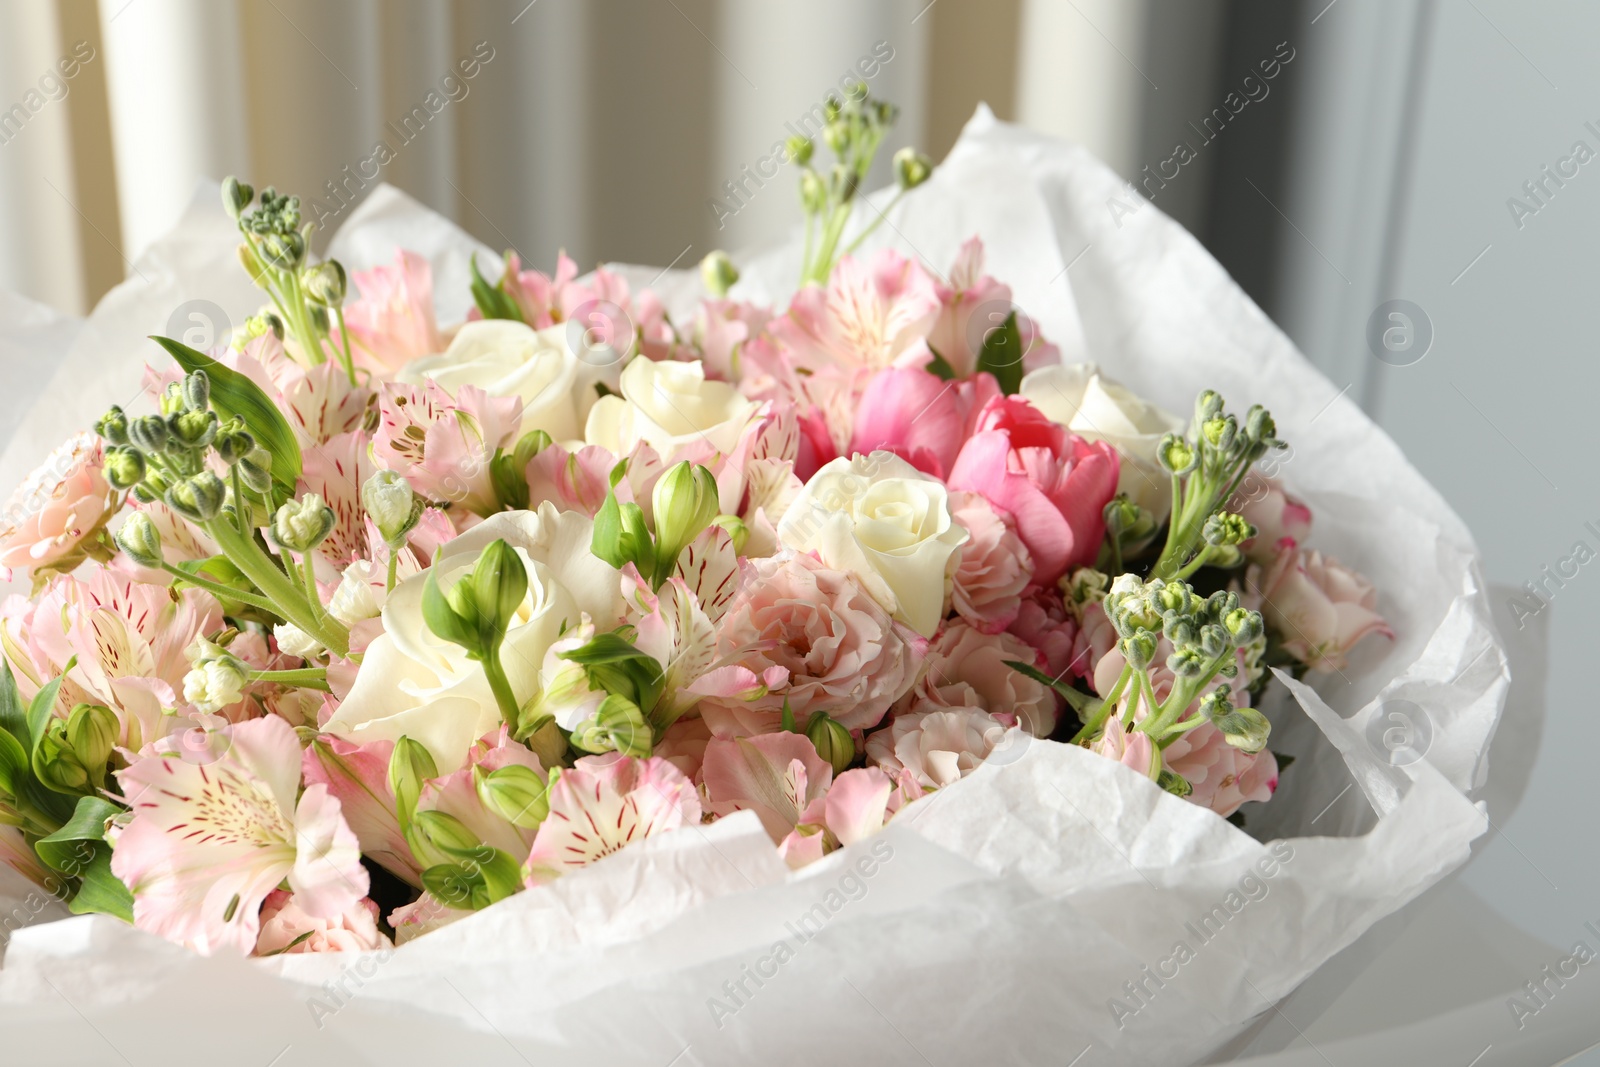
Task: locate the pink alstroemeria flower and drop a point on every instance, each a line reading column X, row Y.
column 604, row 803
column 442, row 445
column 778, row 776
column 392, row 322
column 873, row 314
column 209, row 841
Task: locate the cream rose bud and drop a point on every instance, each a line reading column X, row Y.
column 887, row 523
column 1096, row 408
column 668, row 405
column 506, row 358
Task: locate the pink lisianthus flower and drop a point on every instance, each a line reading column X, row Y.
column 1044, row 622
column 603, row 803
column 873, row 314
column 287, row 929
column 442, row 445
column 1052, row 483
column 207, row 842
column 938, row 746
column 1281, row 520
column 53, row 514
column 778, row 776
column 843, row 652
column 683, row 744
column 967, row 669
column 391, row 322
column 993, row 569
column 1320, row 608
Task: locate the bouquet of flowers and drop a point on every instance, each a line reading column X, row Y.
column 361, row 623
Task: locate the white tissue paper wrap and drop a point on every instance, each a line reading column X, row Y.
column 997, row 921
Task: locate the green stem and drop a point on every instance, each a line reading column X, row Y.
column 301, row 676
column 874, row 224
column 290, row 601
column 500, row 685
column 345, row 356
column 1101, row 713
column 313, row 595
column 1116, row 553
column 219, row 590
column 1195, row 564
column 394, row 562
column 240, row 505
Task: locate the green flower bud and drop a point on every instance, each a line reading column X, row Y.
column 618, row 726
column 286, row 251
column 1206, row 406
column 191, row 430
column 1220, row 432
column 253, row 267
column 56, row 764
column 685, row 500
column 1219, row 604
column 799, row 149
column 736, row 529
column 172, row 398
column 831, row 109
column 1176, row 784
column 1226, row 528
column 198, row 498
column 410, row 765
column 236, row 196
column 1176, row 455
column 1139, row 649
column 1180, row 630
column 911, row 168
column 196, row 391
column 813, row 192
column 446, row 831
column 234, row 442
column 152, row 488
column 124, row 467
column 255, row 469
column 92, row 731
column 718, row 273
column 846, row 180
column 1214, row 641
column 301, row 525
column 1244, row 625
column 499, row 585
column 1188, row 663
column 833, row 742
column 392, row 505
column 113, row 426
column 325, row 283
column 148, row 433
column 140, row 540
column 477, row 609
column 1244, row 728
column 515, row 793
column 1259, row 426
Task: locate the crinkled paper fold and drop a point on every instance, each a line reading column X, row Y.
column 1056, row 904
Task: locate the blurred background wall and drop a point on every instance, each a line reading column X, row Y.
column 1335, row 156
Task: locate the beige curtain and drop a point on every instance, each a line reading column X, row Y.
column 631, row 130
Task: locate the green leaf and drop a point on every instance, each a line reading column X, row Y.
column 42, row 709
column 102, row 892
column 1077, row 698
column 234, row 394
column 14, row 764
column 492, row 300
column 1002, row 355
column 13, row 716
column 939, row 366
column 69, row 849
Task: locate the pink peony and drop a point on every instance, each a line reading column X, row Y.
column 288, row 929
column 937, row 747
column 915, row 415
column 54, row 512
column 1054, row 484
column 603, row 803
column 993, row 569
column 208, row 841
column 683, row 744
column 1320, row 608
column 1044, row 622
column 873, row 314
column 844, row 655
column 391, row 322
column 1281, row 520
column 442, row 445
column 967, row 669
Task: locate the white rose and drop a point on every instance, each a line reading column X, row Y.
column 886, row 522
column 1098, row 409
column 417, row 685
column 506, row 358
column 667, row 405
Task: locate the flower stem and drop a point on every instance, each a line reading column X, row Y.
column 217, row 589
column 500, row 685
column 290, row 602
column 394, row 562
column 345, row 356
column 1101, row 713
column 302, row 676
